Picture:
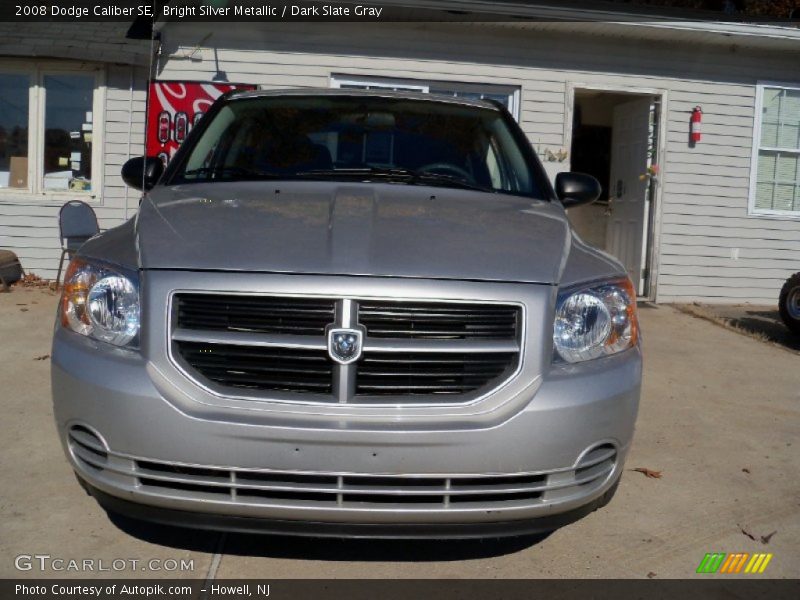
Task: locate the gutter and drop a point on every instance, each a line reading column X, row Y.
column 587, row 11
column 670, row 19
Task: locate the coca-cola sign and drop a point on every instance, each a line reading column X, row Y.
column 174, row 107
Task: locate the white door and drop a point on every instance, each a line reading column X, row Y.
column 627, row 225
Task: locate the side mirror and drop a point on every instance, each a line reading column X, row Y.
column 142, row 172
column 574, row 189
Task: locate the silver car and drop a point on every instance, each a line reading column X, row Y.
column 346, row 313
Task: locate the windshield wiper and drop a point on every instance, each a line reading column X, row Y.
column 234, row 171
column 398, row 174
column 426, row 176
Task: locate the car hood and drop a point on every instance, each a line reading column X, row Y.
column 388, row 230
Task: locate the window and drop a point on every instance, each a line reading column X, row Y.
column 14, row 130
column 775, row 176
column 48, row 130
column 508, row 95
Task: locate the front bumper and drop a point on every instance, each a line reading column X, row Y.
column 540, row 452
column 316, row 529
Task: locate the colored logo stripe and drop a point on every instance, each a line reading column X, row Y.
column 720, row 562
column 758, row 563
column 734, row 563
column 711, row 562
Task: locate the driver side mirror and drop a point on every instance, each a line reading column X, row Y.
column 575, row 189
column 142, row 172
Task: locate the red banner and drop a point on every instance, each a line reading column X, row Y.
column 174, row 107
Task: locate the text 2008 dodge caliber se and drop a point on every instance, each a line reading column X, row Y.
column 345, row 313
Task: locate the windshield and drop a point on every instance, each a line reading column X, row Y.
column 359, row 138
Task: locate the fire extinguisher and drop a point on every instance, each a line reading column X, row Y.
column 697, row 125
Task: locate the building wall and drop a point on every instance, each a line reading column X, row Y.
column 703, row 213
column 29, row 222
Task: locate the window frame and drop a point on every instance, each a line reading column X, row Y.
column 424, row 86
column 36, row 71
column 758, row 119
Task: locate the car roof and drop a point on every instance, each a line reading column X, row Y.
column 356, row 93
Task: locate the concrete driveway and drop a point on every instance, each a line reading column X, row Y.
column 720, row 418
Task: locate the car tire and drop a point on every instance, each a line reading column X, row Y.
column 789, row 303
column 10, row 268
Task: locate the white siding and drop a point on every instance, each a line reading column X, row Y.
column 29, row 223
column 703, row 213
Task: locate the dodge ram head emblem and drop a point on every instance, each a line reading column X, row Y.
column 344, row 345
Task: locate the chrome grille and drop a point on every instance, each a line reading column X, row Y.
column 437, row 321
column 379, row 491
column 298, row 489
column 87, row 448
column 421, row 373
column 259, row 368
column 413, row 351
column 261, row 314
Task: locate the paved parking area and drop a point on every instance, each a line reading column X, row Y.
column 762, row 322
column 720, row 418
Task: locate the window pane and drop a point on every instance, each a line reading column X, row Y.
column 778, row 186
column 14, row 91
column 780, row 119
column 68, row 132
column 786, row 170
column 766, row 165
column 769, row 134
column 789, row 136
column 784, row 197
column 772, row 104
column 764, row 195
column 770, row 117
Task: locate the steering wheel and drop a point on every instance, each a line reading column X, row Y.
column 442, row 166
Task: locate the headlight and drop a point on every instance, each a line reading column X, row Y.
column 596, row 321
column 100, row 302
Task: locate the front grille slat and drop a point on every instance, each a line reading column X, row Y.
column 87, row 447
column 336, row 490
column 264, row 314
column 248, row 367
column 394, row 319
column 412, row 373
column 413, row 350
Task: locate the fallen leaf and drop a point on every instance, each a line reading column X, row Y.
column 30, row 280
column 648, row 472
column 766, row 538
column 650, row 575
column 42, row 357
